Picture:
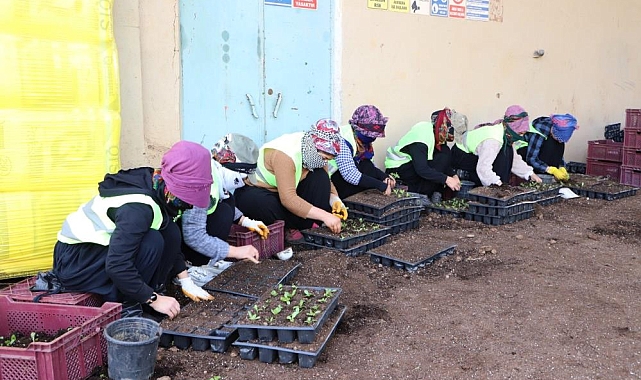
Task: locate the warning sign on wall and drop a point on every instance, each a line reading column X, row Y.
column 377, row 4
column 457, row 8
column 399, row 6
column 306, row 4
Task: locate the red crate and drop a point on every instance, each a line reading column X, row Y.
column 604, row 169
column 20, row 292
column 267, row 248
column 631, row 176
column 632, row 138
column 605, row 150
column 632, row 157
column 633, row 118
column 72, row 356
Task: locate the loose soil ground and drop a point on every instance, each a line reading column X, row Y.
column 552, row 297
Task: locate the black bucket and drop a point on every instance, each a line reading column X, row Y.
column 132, row 345
column 466, row 186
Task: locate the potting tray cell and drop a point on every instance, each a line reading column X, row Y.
column 549, row 200
column 483, row 209
column 499, row 220
column 210, row 332
column 398, row 263
column 286, row 333
column 527, row 195
column 286, row 353
column 342, row 243
column 390, row 215
column 378, row 211
column 406, row 226
column 248, row 279
column 359, row 249
column 20, row 292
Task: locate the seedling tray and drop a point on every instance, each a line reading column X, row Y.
column 286, row 334
column 406, row 226
column 287, row 353
column 444, row 211
column 499, row 220
column 245, row 278
column 549, row 200
column 396, row 216
column 359, row 249
column 379, row 211
column 342, row 243
column 211, row 333
column 586, row 192
column 20, row 292
column 397, row 263
column 492, row 201
column 503, row 211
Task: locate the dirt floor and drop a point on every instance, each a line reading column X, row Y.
column 552, row 297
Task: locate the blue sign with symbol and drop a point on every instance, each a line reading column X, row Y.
column 439, row 8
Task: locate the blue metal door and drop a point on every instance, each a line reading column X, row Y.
column 253, row 68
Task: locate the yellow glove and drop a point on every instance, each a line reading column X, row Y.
column 566, row 176
column 555, row 172
column 256, row 226
column 339, row 209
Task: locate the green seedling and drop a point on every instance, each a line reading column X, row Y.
column 310, row 320
column 301, row 303
column 287, row 297
column 313, row 313
column 11, row 341
column 274, row 293
column 294, row 314
column 308, row 294
column 34, row 336
column 277, row 309
column 252, row 316
column 329, row 292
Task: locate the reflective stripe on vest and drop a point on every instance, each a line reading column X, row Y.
column 290, row 144
column 477, row 136
column 90, row 223
column 347, row 133
column 422, row 132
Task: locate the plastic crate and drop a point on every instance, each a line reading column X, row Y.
column 20, row 292
column 632, row 157
column 632, row 138
column 611, row 131
column 576, row 167
column 631, row 176
column 633, row 118
column 604, row 169
column 239, row 236
column 72, row 356
column 605, row 150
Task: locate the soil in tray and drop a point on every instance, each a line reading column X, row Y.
column 19, row 340
column 610, row 187
column 245, row 277
column 349, row 228
column 411, row 249
column 289, row 306
column 206, row 315
column 531, row 185
column 583, row 180
column 499, row 192
column 376, row 199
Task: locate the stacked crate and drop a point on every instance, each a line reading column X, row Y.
column 604, row 158
column 631, row 168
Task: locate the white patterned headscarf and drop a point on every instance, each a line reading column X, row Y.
column 324, row 137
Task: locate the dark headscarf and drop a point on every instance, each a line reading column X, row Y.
column 443, row 132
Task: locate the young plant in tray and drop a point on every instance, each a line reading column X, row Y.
column 456, row 204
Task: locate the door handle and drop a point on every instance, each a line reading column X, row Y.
column 252, row 105
column 277, row 106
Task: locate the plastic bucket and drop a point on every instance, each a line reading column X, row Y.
column 466, row 186
column 547, row 178
column 132, row 344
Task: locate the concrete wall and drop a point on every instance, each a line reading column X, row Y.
column 410, row 65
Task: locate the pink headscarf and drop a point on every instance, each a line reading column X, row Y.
column 517, row 119
column 186, row 170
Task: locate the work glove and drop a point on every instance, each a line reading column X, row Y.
column 566, row 176
column 555, row 172
column 338, row 208
column 257, row 226
column 193, row 291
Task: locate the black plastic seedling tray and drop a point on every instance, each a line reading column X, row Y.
column 323, row 240
column 492, row 201
column 395, row 262
column 380, row 211
column 601, row 195
column 250, row 280
column 503, row 211
column 499, row 220
column 444, row 211
column 286, row 334
column 287, row 353
column 549, row 200
column 406, row 226
column 390, row 217
column 359, row 249
column 212, row 332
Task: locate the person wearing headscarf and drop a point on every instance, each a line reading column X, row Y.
column 205, row 229
column 422, row 159
column 292, row 182
column 124, row 244
column 546, row 144
column 352, row 170
column 492, row 144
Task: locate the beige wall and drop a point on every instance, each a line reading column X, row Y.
column 147, row 35
column 410, row 65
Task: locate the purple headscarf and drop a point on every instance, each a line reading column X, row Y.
column 563, row 126
column 368, row 121
column 186, row 170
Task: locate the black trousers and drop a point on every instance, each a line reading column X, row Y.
column 441, row 162
column 218, row 225
column 263, row 204
column 346, row 189
column 81, row 267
